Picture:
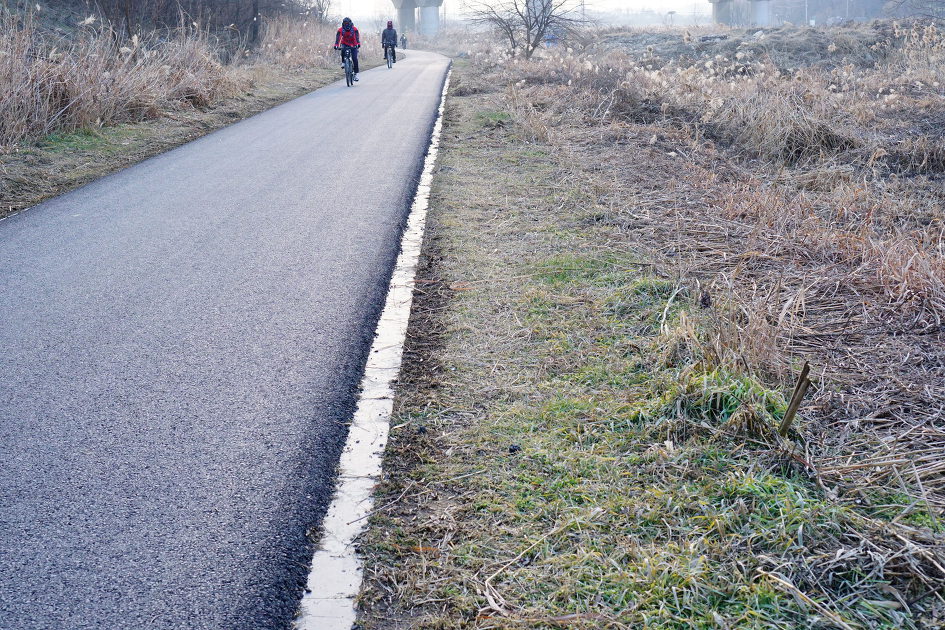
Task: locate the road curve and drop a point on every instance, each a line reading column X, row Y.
column 180, row 347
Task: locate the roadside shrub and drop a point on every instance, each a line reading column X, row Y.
column 784, row 124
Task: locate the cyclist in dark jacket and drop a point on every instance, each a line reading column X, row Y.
column 389, row 38
column 348, row 37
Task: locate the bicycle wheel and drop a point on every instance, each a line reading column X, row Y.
column 349, row 72
column 390, row 58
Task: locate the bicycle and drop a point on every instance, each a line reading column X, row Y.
column 389, row 55
column 349, row 65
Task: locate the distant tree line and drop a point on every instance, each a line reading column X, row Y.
column 242, row 16
column 836, row 11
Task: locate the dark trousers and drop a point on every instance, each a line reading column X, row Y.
column 354, row 57
column 393, row 52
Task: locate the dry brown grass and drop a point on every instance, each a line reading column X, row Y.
column 100, row 79
column 819, row 226
column 799, row 219
column 866, row 182
column 295, row 43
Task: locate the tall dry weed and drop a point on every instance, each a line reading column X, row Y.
column 805, row 127
column 298, row 44
column 100, row 78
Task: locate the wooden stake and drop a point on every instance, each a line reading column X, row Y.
column 799, row 391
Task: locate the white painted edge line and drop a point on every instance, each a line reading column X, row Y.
column 335, row 578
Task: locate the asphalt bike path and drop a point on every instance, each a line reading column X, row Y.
column 180, row 348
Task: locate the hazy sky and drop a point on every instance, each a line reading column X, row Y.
column 384, row 7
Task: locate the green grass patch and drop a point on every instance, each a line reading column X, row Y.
column 82, row 140
column 493, row 119
column 901, row 507
column 602, row 271
column 103, row 141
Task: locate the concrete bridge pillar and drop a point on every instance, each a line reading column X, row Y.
column 429, row 20
column 406, row 19
column 429, row 16
column 761, row 13
column 722, row 12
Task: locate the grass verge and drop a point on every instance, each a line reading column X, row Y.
column 57, row 163
column 575, row 442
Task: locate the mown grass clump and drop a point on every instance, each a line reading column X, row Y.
column 718, row 399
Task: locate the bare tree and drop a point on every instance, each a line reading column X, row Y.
column 525, row 24
column 319, row 9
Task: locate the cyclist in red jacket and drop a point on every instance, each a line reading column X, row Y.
column 349, row 37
